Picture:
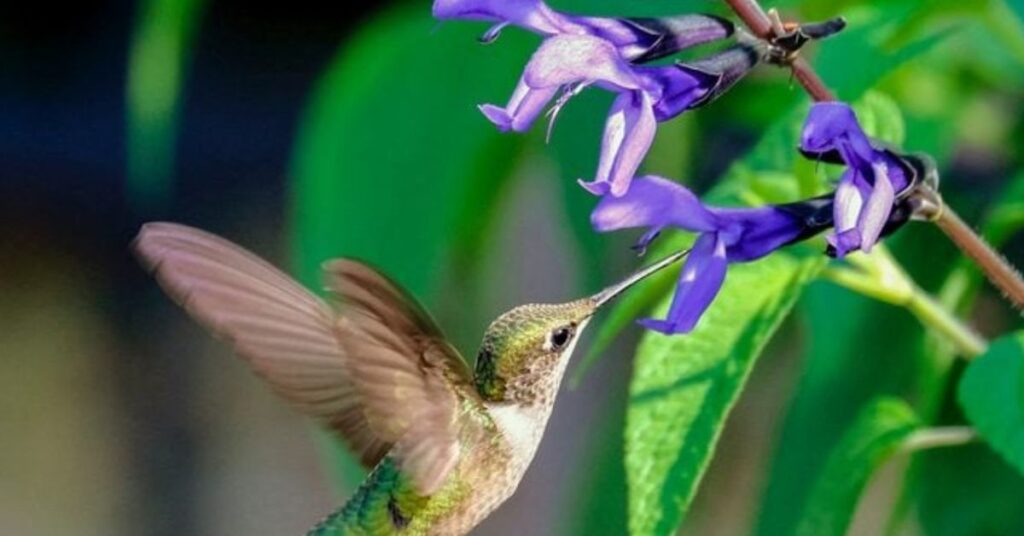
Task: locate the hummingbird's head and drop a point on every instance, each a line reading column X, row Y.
column 525, row 351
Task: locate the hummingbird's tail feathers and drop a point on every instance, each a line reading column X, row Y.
column 282, row 330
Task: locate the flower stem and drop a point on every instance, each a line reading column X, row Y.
column 751, row 13
column 938, row 318
column 942, row 436
column 809, row 79
column 755, row 18
column 880, row 276
column 1004, row 276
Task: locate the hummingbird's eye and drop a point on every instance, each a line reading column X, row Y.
column 558, row 338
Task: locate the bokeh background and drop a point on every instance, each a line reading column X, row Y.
column 306, row 130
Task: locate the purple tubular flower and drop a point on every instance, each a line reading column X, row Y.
column 665, row 92
column 873, row 183
column 638, row 39
column 726, row 235
column 645, row 39
column 563, row 61
column 647, row 95
column 584, row 51
column 533, row 15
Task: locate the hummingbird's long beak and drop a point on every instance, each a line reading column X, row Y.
column 611, row 292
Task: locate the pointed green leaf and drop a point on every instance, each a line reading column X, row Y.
column 157, row 62
column 393, row 163
column 865, row 39
column 992, row 395
column 684, row 386
column 874, row 436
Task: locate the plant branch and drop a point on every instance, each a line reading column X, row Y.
column 995, row 267
column 751, row 13
column 943, row 436
column 880, row 276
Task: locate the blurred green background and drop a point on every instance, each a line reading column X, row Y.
column 307, row 131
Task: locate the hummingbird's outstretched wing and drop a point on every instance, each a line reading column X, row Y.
column 316, row 357
column 410, row 379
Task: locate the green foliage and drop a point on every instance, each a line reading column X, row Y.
column 750, row 179
column 968, row 491
column 156, row 71
column 843, row 369
column 354, row 182
column 992, row 395
column 874, row 437
column 684, row 387
column 394, row 165
column 870, row 37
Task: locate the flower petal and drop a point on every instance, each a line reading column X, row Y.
column 628, row 135
column 680, row 88
column 646, row 39
column 654, row 202
column 523, row 108
column 876, row 210
column 849, row 202
column 568, row 59
column 533, row 15
column 833, row 126
column 699, row 282
column 844, row 242
column 752, row 233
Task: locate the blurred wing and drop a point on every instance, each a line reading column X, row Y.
column 287, row 334
column 411, row 381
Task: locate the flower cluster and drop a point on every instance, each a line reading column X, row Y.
column 870, row 200
column 875, row 178
column 726, row 235
column 580, row 52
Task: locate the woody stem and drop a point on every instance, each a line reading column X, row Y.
column 999, row 272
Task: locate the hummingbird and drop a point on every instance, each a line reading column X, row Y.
column 445, row 446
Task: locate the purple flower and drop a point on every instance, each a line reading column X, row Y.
column 637, row 39
column 726, row 235
column 583, row 51
column 874, row 180
column 647, row 96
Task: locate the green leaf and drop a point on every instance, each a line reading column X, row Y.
column 393, row 163
column 575, row 146
column 967, row 491
column 684, row 386
column 842, row 369
column 157, row 62
column 881, row 118
column 874, row 437
column 858, row 58
column 992, row 395
column 597, row 497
